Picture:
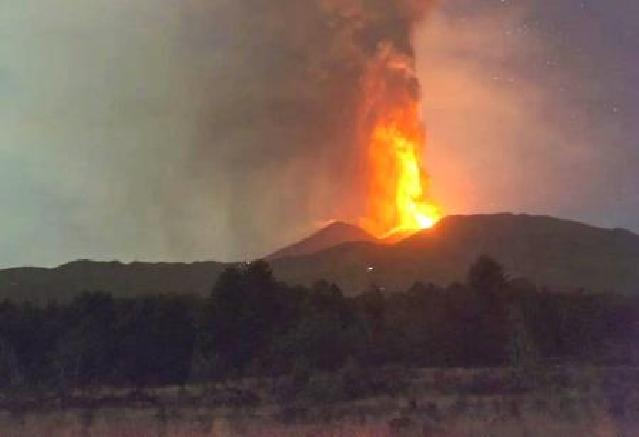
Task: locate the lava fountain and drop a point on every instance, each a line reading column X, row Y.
column 393, row 135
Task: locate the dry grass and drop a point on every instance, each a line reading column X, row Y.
column 437, row 403
column 466, row 417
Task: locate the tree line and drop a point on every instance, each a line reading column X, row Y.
column 253, row 325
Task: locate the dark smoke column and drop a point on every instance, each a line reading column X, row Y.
column 293, row 91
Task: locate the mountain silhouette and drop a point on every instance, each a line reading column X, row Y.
column 557, row 253
column 561, row 254
column 332, row 235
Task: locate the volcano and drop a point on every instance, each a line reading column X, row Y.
column 332, row 235
column 561, row 254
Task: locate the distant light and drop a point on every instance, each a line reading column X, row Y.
column 370, row 269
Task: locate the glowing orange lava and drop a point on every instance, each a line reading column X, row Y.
column 398, row 202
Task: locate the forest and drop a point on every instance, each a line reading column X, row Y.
column 252, row 325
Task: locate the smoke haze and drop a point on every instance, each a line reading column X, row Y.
column 529, row 107
column 185, row 130
column 181, row 130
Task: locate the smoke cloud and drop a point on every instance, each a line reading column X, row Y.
column 197, row 129
column 193, row 129
column 529, row 108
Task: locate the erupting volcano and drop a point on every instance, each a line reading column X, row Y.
column 393, row 135
column 397, row 198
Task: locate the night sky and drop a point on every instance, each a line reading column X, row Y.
column 166, row 130
column 531, row 106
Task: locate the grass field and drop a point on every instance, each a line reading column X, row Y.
column 563, row 402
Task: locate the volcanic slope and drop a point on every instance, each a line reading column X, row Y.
column 561, row 254
column 332, row 235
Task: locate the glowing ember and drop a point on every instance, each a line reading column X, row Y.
column 398, row 202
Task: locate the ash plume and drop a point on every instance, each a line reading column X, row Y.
column 198, row 129
column 164, row 130
column 289, row 95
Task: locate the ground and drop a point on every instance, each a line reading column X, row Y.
column 558, row 401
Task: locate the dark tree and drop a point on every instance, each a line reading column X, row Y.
column 240, row 317
column 486, row 275
column 252, row 325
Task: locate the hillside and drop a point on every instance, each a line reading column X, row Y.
column 332, row 235
column 561, row 254
column 558, row 253
column 68, row 280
